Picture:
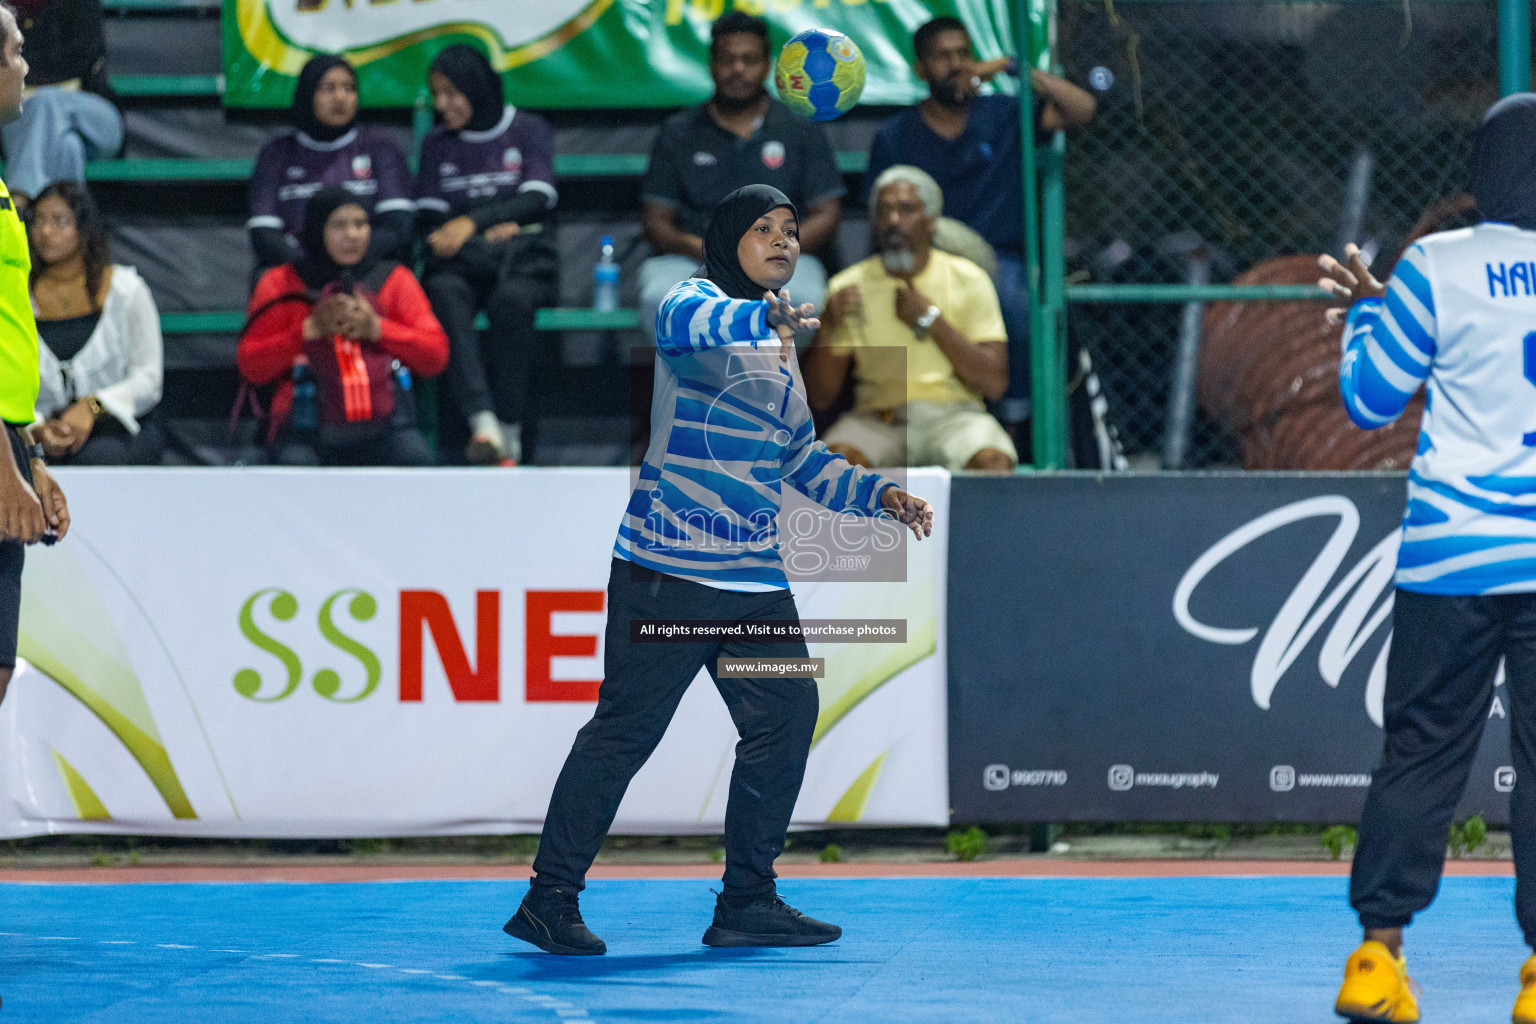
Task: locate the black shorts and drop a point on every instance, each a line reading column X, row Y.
column 12, row 555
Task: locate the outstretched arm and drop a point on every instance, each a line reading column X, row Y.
column 695, row 316
column 835, row 483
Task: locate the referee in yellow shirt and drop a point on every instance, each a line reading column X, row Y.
column 32, row 507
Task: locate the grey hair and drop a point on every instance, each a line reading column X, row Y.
column 927, row 189
column 15, row 20
column 957, row 239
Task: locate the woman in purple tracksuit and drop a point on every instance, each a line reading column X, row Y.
column 485, row 195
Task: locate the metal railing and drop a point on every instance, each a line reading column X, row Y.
column 1235, row 132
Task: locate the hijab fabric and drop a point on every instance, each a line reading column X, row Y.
column 303, row 115
column 1503, row 169
column 317, row 270
column 728, row 222
column 471, row 73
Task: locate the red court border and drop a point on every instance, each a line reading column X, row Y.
column 1019, row 868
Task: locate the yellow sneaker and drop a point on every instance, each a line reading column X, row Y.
column 1377, row 989
column 1525, row 1003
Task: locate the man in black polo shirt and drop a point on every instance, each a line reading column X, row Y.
column 740, row 137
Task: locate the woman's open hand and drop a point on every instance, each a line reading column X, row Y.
column 787, row 319
column 916, row 513
column 1349, row 281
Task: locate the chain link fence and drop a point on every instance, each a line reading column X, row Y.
column 1231, row 134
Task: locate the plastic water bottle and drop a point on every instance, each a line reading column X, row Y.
column 305, row 415
column 404, row 414
column 605, row 279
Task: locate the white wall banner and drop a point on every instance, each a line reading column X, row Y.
column 259, row 652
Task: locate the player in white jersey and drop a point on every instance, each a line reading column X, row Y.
column 1457, row 317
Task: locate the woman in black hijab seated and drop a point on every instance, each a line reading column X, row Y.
column 485, row 195
column 328, row 147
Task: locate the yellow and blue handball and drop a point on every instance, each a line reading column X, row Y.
column 820, row 74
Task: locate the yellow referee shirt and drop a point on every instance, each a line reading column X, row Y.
column 18, row 328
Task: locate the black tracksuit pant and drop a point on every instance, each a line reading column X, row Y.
column 493, row 376
column 642, row 686
column 1445, row 651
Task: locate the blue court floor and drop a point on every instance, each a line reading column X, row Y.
column 950, row 950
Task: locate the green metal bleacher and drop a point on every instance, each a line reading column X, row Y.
column 551, row 319
column 174, row 170
column 169, row 86
column 568, row 165
column 161, row 6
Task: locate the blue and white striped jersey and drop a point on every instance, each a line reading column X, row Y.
column 729, row 425
column 1459, row 313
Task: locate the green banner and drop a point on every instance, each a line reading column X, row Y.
column 569, row 53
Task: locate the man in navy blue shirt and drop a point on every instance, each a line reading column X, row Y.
column 969, row 143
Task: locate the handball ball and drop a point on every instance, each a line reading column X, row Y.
column 820, row 74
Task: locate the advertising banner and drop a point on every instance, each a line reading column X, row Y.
column 1179, row 647
column 570, row 53
column 259, row 652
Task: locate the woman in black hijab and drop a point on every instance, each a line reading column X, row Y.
column 468, row 70
column 1503, row 167
column 729, row 237
column 485, row 194
column 354, row 328
column 325, row 115
column 699, row 540
column 1455, row 318
column 318, row 268
column 328, row 147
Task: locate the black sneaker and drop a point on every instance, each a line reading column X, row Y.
column 550, row 919
column 767, row 922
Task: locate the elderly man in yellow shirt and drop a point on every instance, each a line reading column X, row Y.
column 923, row 334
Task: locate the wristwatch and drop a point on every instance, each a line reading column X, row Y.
column 96, row 407
column 923, row 324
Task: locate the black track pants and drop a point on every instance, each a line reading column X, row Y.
column 642, row 686
column 1440, row 672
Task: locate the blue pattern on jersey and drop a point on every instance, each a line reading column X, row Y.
column 1470, row 522
column 729, row 426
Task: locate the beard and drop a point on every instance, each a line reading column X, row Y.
column 950, row 93
column 733, row 105
column 899, row 260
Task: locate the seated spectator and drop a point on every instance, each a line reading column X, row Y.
column 100, row 357
column 328, row 147
column 69, row 114
column 353, row 322
column 486, row 189
column 969, row 144
column 740, row 137
column 924, row 336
